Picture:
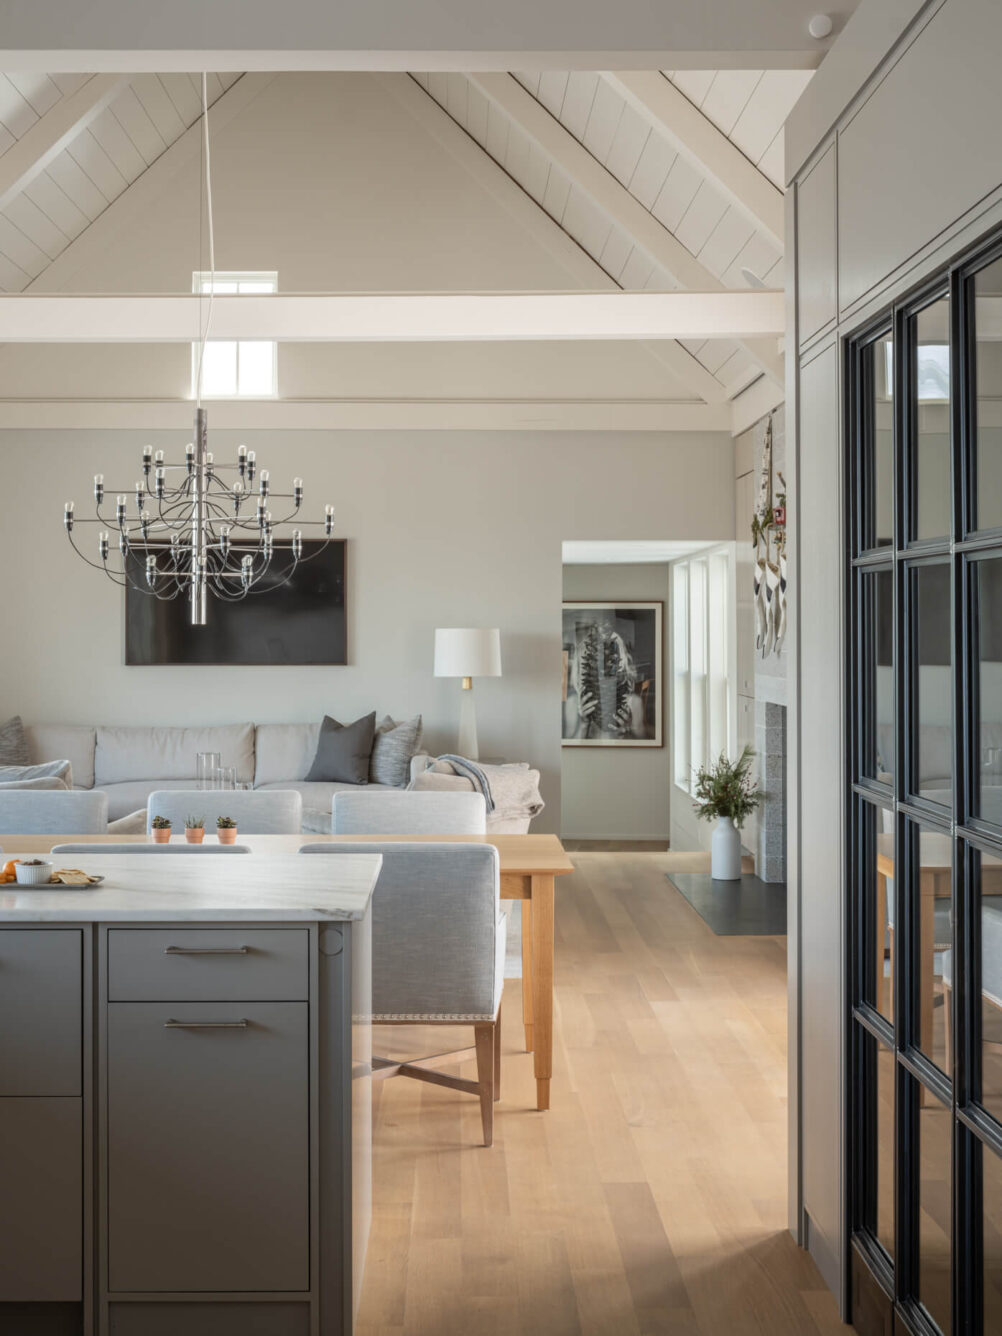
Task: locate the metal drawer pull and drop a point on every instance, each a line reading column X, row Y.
column 206, row 950
column 206, row 1025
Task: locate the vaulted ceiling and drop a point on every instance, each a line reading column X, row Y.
column 666, row 180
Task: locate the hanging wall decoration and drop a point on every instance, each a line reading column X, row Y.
column 769, row 535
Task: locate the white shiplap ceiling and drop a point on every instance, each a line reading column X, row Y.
column 98, row 163
column 749, row 107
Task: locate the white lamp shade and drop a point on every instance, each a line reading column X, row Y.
column 467, row 651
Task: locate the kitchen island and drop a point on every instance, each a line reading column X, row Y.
column 184, row 1097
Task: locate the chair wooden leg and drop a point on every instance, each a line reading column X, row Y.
column 497, row 1057
column 484, row 1040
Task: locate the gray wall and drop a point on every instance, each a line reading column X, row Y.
column 453, row 530
column 910, row 175
column 618, row 792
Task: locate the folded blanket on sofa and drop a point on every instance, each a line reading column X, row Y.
column 510, row 791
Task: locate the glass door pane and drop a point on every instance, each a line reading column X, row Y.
column 930, row 408
column 876, row 449
column 987, row 578
column 930, row 901
column 931, row 625
column 935, row 1210
column 992, row 1197
column 988, row 324
column 876, row 594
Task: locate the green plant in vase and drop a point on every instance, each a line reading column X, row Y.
column 194, row 829
column 725, row 791
column 160, row 826
column 226, row 829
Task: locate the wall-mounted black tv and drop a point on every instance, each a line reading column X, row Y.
column 300, row 622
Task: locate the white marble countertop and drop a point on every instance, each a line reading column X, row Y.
column 192, row 888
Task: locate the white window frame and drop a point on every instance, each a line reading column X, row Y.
column 704, row 668
column 236, row 281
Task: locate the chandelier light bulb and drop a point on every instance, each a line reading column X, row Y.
column 99, row 487
column 264, row 483
column 158, row 458
column 297, row 491
column 297, row 543
column 102, row 545
column 68, row 516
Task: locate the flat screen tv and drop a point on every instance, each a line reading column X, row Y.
column 300, row 622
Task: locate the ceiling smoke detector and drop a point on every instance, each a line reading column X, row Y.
column 820, row 26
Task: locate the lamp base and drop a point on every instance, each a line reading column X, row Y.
column 467, row 744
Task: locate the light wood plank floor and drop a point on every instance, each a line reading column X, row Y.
column 651, row 1198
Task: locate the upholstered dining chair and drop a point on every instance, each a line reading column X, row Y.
column 256, row 812
column 103, row 849
column 438, row 945
column 53, row 812
column 405, row 813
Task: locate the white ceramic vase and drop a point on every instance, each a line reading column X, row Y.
column 725, row 851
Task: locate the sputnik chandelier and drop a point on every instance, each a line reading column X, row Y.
column 193, row 532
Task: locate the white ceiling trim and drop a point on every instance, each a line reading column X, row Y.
column 51, row 133
column 704, row 145
column 367, row 415
column 607, row 194
column 393, row 317
column 628, row 551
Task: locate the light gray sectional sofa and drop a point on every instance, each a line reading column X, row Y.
column 128, row 762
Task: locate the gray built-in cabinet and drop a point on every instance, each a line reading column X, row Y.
column 176, row 1129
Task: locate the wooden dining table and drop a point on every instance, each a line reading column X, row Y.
column 530, row 865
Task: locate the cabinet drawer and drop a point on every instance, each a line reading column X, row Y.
column 208, row 1146
column 208, row 964
column 41, row 1001
column 41, row 1220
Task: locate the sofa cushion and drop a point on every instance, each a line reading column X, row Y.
column 392, row 749
column 13, row 743
column 284, row 751
column 127, row 753
column 42, row 782
column 17, row 774
column 344, row 750
column 47, row 742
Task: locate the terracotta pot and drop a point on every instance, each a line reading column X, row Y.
column 227, row 834
column 195, row 834
column 161, row 834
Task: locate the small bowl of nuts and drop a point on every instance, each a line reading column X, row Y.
column 33, row 872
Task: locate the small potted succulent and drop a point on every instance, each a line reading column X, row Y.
column 226, row 829
column 194, row 829
column 725, row 790
column 161, row 829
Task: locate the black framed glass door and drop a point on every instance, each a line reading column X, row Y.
column 924, row 589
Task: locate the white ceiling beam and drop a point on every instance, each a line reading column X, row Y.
column 754, row 403
column 393, row 317
column 29, row 156
column 529, row 214
column 700, row 142
column 577, row 415
column 92, row 244
column 615, row 201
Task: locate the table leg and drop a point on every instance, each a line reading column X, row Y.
column 527, row 972
column 542, row 986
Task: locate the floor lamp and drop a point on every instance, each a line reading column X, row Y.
column 467, row 652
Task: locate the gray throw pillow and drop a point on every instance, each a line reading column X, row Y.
column 13, row 743
column 46, row 770
column 392, row 749
column 343, row 751
column 47, row 782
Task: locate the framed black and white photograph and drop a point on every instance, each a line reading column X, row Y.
column 612, row 675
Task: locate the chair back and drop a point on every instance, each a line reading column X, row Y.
column 256, row 812
column 437, row 931
column 53, row 812
column 103, row 849
column 404, row 813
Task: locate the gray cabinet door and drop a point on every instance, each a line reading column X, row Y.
column 208, row 964
column 208, row 1147
column 41, row 1003
column 41, row 1200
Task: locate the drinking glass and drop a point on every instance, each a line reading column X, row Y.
column 207, row 770
column 227, row 777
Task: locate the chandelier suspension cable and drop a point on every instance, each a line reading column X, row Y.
column 205, row 534
column 207, row 184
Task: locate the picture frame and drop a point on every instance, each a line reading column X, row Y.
column 613, row 675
